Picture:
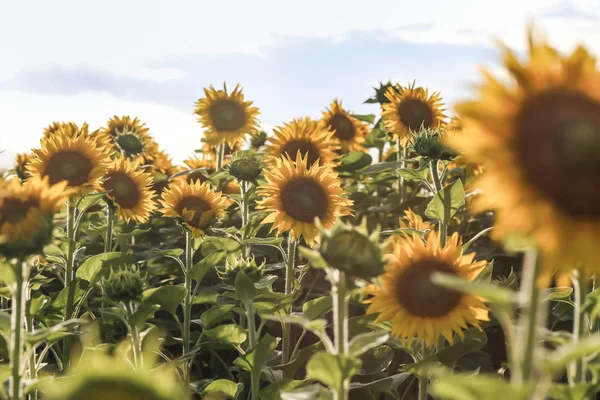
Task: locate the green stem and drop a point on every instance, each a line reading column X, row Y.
column 187, row 306
column 16, row 325
column 402, row 182
column 33, row 395
column 380, row 154
column 245, row 206
column 580, row 288
column 136, row 344
column 69, row 275
column 423, row 384
column 255, row 383
column 289, row 287
column 437, row 182
column 110, row 214
column 340, row 321
column 220, row 155
column 530, row 319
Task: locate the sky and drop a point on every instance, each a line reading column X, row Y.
column 81, row 61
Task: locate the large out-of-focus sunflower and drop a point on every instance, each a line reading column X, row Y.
column 295, row 195
column 348, row 130
column 78, row 160
column 226, row 117
column 196, row 205
column 411, row 108
column 309, row 137
column 538, row 140
column 417, row 307
column 21, row 162
column 128, row 136
column 129, row 190
column 26, row 214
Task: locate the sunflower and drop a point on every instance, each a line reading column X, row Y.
column 67, row 128
column 128, row 136
column 129, row 190
column 414, row 221
column 202, row 168
column 21, row 162
column 295, row 195
column 26, row 214
column 348, row 130
column 416, row 306
column 309, row 137
column 210, row 151
column 226, row 117
column 195, row 204
column 410, row 109
column 161, row 167
column 471, row 169
column 538, row 140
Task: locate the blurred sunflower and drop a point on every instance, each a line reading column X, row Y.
column 202, row 169
column 196, row 204
column 348, row 130
column 21, row 162
column 226, row 117
column 471, row 169
column 67, row 128
column 538, row 141
column 416, row 306
column 129, row 190
column 161, row 167
column 409, row 109
column 414, row 221
column 26, row 214
column 295, row 195
column 77, row 160
column 309, row 137
column 130, row 137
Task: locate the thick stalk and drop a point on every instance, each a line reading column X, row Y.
column 187, row 306
column 437, row 182
column 580, row 289
column 136, row 344
column 69, row 275
column 286, row 346
column 423, row 384
column 110, row 214
column 340, row 320
column 220, row 155
column 16, row 325
column 33, row 395
column 249, row 306
column 402, row 182
column 530, row 319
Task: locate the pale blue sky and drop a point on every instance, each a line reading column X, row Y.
column 151, row 59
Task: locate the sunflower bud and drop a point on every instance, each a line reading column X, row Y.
column 428, row 144
column 123, row 285
column 245, row 169
column 247, row 266
column 257, row 140
column 380, row 92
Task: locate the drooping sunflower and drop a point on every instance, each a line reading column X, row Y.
column 226, row 117
column 309, row 137
column 128, row 136
column 538, row 139
column 295, row 195
column 21, row 162
column 415, row 306
column 26, row 214
column 409, row 109
column 348, row 130
column 129, row 190
column 78, row 160
column 196, row 205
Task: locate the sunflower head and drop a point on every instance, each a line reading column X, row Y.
column 248, row 266
column 428, row 144
column 348, row 130
column 129, row 190
column 26, row 212
column 130, row 137
column 161, row 168
column 258, row 140
column 21, row 162
column 380, row 92
column 295, row 195
column 308, row 137
column 410, row 109
column 123, row 284
column 416, row 306
column 98, row 375
column 226, row 117
column 65, row 128
column 538, row 138
column 195, row 205
column 78, row 160
column 200, row 169
column 245, row 169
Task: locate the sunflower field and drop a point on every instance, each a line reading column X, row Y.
column 419, row 252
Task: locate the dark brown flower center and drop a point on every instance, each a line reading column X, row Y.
column 558, row 144
column 304, row 199
column 342, row 126
column 307, row 149
column 123, row 189
column 415, row 113
column 196, row 204
column 227, row 115
column 420, row 296
column 13, row 209
column 69, row 165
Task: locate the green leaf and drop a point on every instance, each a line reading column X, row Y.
column 143, row 314
column 274, row 390
column 88, row 201
column 474, row 341
column 255, row 360
column 559, row 293
column 485, row 276
column 270, row 241
column 5, row 324
column 317, row 308
column 169, row 253
column 370, row 118
column 231, row 334
column 385, row 385
column 222, row 389
column 466, row 246
column 216, row 314
column 245, row 290
column 206, row 297
column 559, row 359
column 92, row 267
column 579, row 391
column 7, row 273
column 310, row 392
column 314, row 257
column 477, row 387
column 127, row 235
column 37, row 303
column 364, row 342
column 167, row 297
column 198, row 271
column 60, row 303
column 53, row 333
column 354, row 161
column 381, row 167
column 415, row 175
column 494, row 293
column 212, row 244
column 331, row 370
column 446, row 202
